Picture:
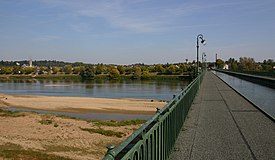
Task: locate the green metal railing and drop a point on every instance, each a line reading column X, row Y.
column 155, row 139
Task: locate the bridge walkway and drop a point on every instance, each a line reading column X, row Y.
column 221, row 124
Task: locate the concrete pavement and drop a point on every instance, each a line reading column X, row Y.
column 221, row 124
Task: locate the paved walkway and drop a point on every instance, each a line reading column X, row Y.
column 223, row 125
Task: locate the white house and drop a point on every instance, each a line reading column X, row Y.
column 226, row 67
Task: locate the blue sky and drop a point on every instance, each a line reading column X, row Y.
column 135, row 31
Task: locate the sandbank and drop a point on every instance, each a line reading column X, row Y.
column 81, row 104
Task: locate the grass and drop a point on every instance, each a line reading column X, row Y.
column 101, row 131
column 16, row 152
column 6, row 113
column 55, row 125
column 111, row 123
column 119, row 123
column 46, row 121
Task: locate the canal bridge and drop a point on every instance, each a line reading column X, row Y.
column 206, row 120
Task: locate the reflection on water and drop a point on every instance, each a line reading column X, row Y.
column 107, row 89
column 262, row 96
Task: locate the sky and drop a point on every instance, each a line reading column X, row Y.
column 135, row 31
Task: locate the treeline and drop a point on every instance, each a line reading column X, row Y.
column 248, row 65
column 89, row 71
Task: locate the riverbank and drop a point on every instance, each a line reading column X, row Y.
column 81, row 104
column 42, row 137
column 25, row 135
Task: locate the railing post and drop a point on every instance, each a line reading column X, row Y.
column 110, row 153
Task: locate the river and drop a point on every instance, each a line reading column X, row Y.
column 149, row 89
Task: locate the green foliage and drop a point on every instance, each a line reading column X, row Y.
column 6, row 70
column 17, row 70
column 68, row 69
column 41, row 70
column 219, row 63
column 16, row 152
column 6, row 113
column 55, row 70
column 101, row 131
column 145, row 75
column 159, row 68
column 87, row 73
column 128, row 70
column 46, row 121
column 77, row 70
column 137, row 73
column 28, row 70
column 121, row 69
column 118, row 123
column 182, row 68
column 246, row 64
column 114, row 73
column 100, row 68
column 171, row 69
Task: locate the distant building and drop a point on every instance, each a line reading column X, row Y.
column 226, row 67
column 24, row 66
column 30, row 63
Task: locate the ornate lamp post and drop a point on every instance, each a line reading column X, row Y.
column 199, row 37
column 203, row 59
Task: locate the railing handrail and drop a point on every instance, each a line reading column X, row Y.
column 114, row 151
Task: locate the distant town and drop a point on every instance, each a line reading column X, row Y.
column 135, row 71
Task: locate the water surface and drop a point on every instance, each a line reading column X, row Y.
column 261, row 96
column 161, row 90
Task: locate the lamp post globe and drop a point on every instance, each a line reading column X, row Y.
column 202, row 41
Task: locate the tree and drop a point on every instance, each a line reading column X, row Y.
column 121, row 69
column 87, row 73
column 182, row 68
column 145, row 75
column 159, row 68
column 114, row 73
column 171, row 69
column 246, row 64
column 55, row 70
column 219, row 63
column 76, row 70
column 17, row 70
column 100, row 68
column 232, row 64
column 7, row 70
column 128, row 70
column 268, row 65
column 137, row 73
column 68, row 69
column 28, row 70
column 41, row 70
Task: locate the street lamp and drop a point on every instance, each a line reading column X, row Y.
column 202, row 58
column 200, row 36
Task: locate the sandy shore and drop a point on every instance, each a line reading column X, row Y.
column 81, row 104
column 28, row 135
column 25, row 137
